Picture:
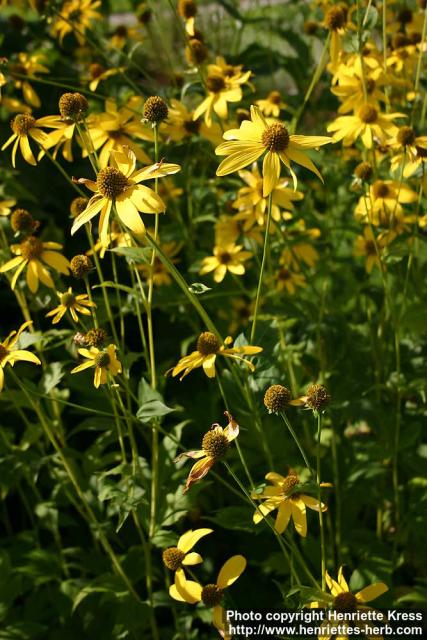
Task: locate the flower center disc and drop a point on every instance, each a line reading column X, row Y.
column 380, row 189
column 345, row 602
column 406, row 136
column 275, row 97
column 215, row 444
column 67, row 299
column 211, row 595
column 335, row 18
column 173, row 557
column 3, row 352
column 289, row 483
column 111, row 182
column 207, row 343
column 275, row 137
column 215, row 83
column 22, row 123
column 102, row 359
column 368, row 114
column 31, row 249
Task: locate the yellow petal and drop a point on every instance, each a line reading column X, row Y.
column 230, row 571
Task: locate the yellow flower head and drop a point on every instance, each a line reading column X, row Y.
column 370, row 247
column 343, row 600
column 176, row 558
column 255, row 138
column 289, row 504
column 368, row 123
column 119, row 184
column 27, row 65
column 214, row 446
column 272, row 104
column 208, row 348
column 9, row 354
column 31, row 254
column 211, row 595
column 252, row 204
column 24, row 127
column 73, row 303
column 223, row 83
column 117, row 127
column 230, row 257
column 289, row 281
column 76, row 17
column 104, row 361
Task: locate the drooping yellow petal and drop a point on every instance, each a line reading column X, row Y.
column 230, row 571
column 270, row 172
column 373, row 591
column 190, row 538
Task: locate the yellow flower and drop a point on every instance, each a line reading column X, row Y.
column 9, row 354
column 98, row 73
column 288, row 281
column 222, row 88
column 413, row 150
column 76, row 16
column 119, row 185
column 230, row 258
column 104, row 361
column 25, row 126
column 272, row 104
column 181, row 124
column 343, row 600
column 368, row 123
column 252, row 205
column 351, row 92
column 365, row 246
column 6, row 207
column 211, row 594
column 403, row 59
column 72, row 303
column 30, row 254
column 300, row 252
column 214, row 447
column 336, row 22
column 175, row 558
column 116, row 128
column 187, row 9
column 27, row 65
column 255, row 138
column 208, row 348
column 289, row 505
column 385, row 199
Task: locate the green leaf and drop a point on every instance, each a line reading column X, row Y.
column 152, row 409
column 52, row 376
column 137, row 254
column 103, row 584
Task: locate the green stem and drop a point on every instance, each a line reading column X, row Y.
column 261, row 273
column 319, row 495
column 296, row 439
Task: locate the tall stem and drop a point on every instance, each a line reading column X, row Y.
column 261, row 273
column 319, row 495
